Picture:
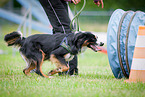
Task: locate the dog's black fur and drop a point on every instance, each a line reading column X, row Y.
column 37, row 48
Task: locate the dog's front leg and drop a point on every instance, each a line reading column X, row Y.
column 60, row 64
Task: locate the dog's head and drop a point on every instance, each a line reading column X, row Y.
column 87, row 39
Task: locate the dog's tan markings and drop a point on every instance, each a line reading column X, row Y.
column 52, row 72
column 12, row 40
column 60, row 67
column 85, row 43
column 28, row 69
column 28, row 63
column 43, row 56
column 31, row 65
column 54, row 60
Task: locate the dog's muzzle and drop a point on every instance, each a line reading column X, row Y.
column 95, row 47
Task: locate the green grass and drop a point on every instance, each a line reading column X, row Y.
column 95, row 77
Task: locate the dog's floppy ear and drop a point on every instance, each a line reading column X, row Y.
column 79, row 39
column 81, row 35
column 78, row 36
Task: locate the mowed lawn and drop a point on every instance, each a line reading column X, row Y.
column 95, row 77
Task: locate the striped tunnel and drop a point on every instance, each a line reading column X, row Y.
column 122, row 33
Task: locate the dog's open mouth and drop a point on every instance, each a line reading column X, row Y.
column 94, row 47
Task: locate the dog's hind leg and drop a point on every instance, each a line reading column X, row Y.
column 31, row 66
column 30, row 63
column 39, row 64
column 60, row 63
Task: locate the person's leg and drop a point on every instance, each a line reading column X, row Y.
column 57, row 13
column 73, row 66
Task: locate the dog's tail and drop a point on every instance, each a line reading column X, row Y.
column 15, row 38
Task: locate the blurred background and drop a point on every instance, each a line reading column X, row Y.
column 29, row 13
column 95, row 76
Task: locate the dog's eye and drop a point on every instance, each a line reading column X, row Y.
column 93, row 39
column 96, row 37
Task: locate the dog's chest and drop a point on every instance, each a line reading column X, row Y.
column 83, row 49
column 68, row 57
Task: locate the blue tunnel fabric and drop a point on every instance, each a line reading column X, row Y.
column 138, row 20
column 123, row 32
column 134, row 19
column 112, row 42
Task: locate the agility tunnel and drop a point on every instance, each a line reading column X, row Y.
column 121, row 38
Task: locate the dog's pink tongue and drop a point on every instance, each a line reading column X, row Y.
column 94, row 47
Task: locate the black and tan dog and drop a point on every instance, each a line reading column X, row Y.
column 58, row 48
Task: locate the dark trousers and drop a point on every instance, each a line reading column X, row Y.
column 57, row 12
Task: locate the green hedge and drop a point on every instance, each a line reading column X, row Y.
column 115, row 4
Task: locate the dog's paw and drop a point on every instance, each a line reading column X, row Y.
column 26, row 72
column 49, row 74
column 74, row 75
column 50, row 77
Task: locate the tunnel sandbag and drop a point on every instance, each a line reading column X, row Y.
column 122, row 29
